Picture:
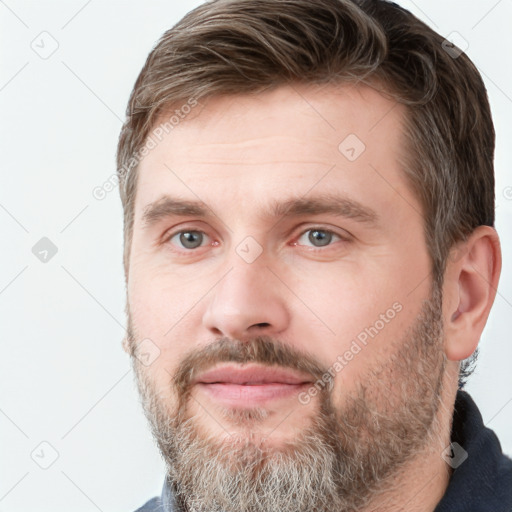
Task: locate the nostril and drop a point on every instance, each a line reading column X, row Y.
column 263, row 324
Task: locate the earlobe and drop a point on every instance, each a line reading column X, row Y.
column 471, row 280
column 125, row 344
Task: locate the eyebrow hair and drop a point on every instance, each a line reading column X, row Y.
column 339, row 205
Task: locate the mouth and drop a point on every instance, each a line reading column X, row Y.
column 254, row 384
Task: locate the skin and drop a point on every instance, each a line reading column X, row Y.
column 238, row 155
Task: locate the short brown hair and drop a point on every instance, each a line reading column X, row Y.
column 248, row 46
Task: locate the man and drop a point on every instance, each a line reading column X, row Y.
column 310, row 260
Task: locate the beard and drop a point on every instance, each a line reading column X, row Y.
column 340, row 461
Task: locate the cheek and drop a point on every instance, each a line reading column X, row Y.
column 365, row 309
column 159, row 302
column 169, row 316
column 152, row 320
column 346, row 295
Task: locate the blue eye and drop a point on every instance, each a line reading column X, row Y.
column 319, row 237
column 189, row 239
column 194, row 239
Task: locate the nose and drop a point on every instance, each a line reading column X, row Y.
column 247, row 302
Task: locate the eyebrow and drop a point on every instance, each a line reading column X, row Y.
column 338, row 205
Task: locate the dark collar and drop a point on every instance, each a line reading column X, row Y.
column 483, row 481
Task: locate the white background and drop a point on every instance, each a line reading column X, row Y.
column 65, row 378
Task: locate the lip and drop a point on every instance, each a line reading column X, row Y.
column 246, row 395
column 252, row 385
column 252, row 375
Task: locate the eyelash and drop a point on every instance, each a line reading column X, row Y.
column 184, row 251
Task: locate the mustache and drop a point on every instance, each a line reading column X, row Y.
column 264, row 350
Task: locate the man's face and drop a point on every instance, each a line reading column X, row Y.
column 308, row 258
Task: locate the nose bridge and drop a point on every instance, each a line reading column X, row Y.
column 247, row 300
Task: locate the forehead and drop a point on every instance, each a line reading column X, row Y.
column 279, row 142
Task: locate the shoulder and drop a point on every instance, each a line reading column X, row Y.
column 153, row 505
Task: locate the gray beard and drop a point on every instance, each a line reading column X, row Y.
column 340, row 462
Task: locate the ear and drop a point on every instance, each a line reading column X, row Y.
column 126, row 346
column 470, row 283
